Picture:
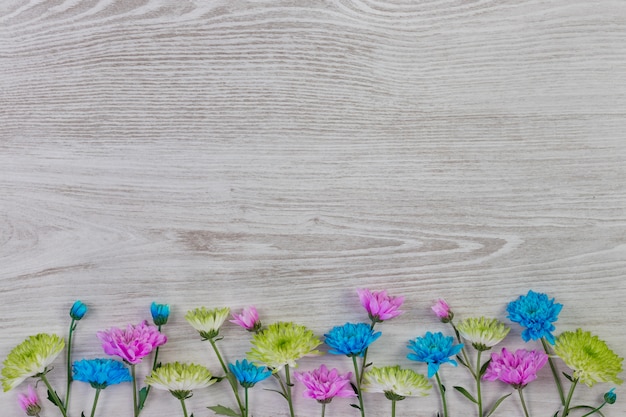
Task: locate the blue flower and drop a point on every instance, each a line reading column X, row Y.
column 536, row 312
column 160, row 313
column 610, row 397
column 101, row 373
column 78, row 310
column 248, row 374
column 434, row 349
column 351, row 339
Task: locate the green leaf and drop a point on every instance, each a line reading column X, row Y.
column 224, row 411
column 280, row 392
column 483, row 368
column 497, row 403
column 143, row 395
column 51, row 398
column 82, row 414
column 466, row 394
column 355, row 406
column 461, row 361
column 569, row 377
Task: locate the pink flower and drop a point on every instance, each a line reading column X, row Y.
column 517, row 369
column 29, row 402
column 379, row 305
column 133, row 343
column 248, row 319
column 442, row 310
column 323, row 385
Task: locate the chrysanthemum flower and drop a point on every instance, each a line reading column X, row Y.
column 516, row 369
column 160, row 313
column 536, row 312
column 283, row 343
column 207, row 322
column 100, row 373
column 132, row 344
column 180, row 379
column 434, row 349
column 483, row 333
column 248, row 319
column 396, row 383
column 323, row 384
column 30, row 358
column 442, row 310
column 379, row 305
column 248, row 374
column 29, row 402
column 350, row 339
column 589, row 357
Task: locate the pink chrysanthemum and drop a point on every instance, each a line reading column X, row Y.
column 442, row 310
column 29, row 402
column 517, row 369
column 133, row 343
column 323, row 384
column 248, row 319
column 379, row 305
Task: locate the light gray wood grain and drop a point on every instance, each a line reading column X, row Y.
column 283, row 154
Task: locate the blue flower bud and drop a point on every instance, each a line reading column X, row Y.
column 610, row 397
column 78, row 310
column 160, row 313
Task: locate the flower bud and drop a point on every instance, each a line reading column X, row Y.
column 160, row 313
column 78, row 310
column 610, row 397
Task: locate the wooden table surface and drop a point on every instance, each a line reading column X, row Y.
column 283, row 154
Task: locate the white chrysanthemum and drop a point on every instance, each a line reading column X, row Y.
column 207, row 322
column 30, row 358
column 180, row 378
column 483, row 333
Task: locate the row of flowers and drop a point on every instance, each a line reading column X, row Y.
column 277, row 348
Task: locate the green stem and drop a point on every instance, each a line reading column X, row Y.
column 358, row 385
column 478, row 393
column 95, row 402
column 595, row 409
column 323, row 409
column 135, row 407
column 465, row 357
column 443, row 395
column 555, row 372
column 231, row 381
column 69, row 361
column 364, row 363
column 393, row 408
column 53, row 395
column 569, row 398
column 182, row 403
column 521, row 397
column 246, row 397
column 288, row 392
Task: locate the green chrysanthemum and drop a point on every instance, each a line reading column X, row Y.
column 30, row 358
column 180, row 378
column 589, row 357
column 207, row 322
column 483, row 333
column 396, row 383
column 283, row 343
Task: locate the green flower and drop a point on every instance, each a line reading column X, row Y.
column 396, row 383
column 180, row 378
column 483, row 333
column 589, row 357
column 207, row 322
column 30, row 358
column 283, row 343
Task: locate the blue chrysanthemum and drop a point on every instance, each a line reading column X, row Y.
column 434, row 349
column 351, row 339
column 160, row 313
column 101, row 373
column 536, row 312
column 248, row 374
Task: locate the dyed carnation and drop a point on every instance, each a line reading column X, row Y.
column 323, row 385
column 132, row 344
column 379, row 305
column 434, row 349
column 517, row 369
column 536, row 312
